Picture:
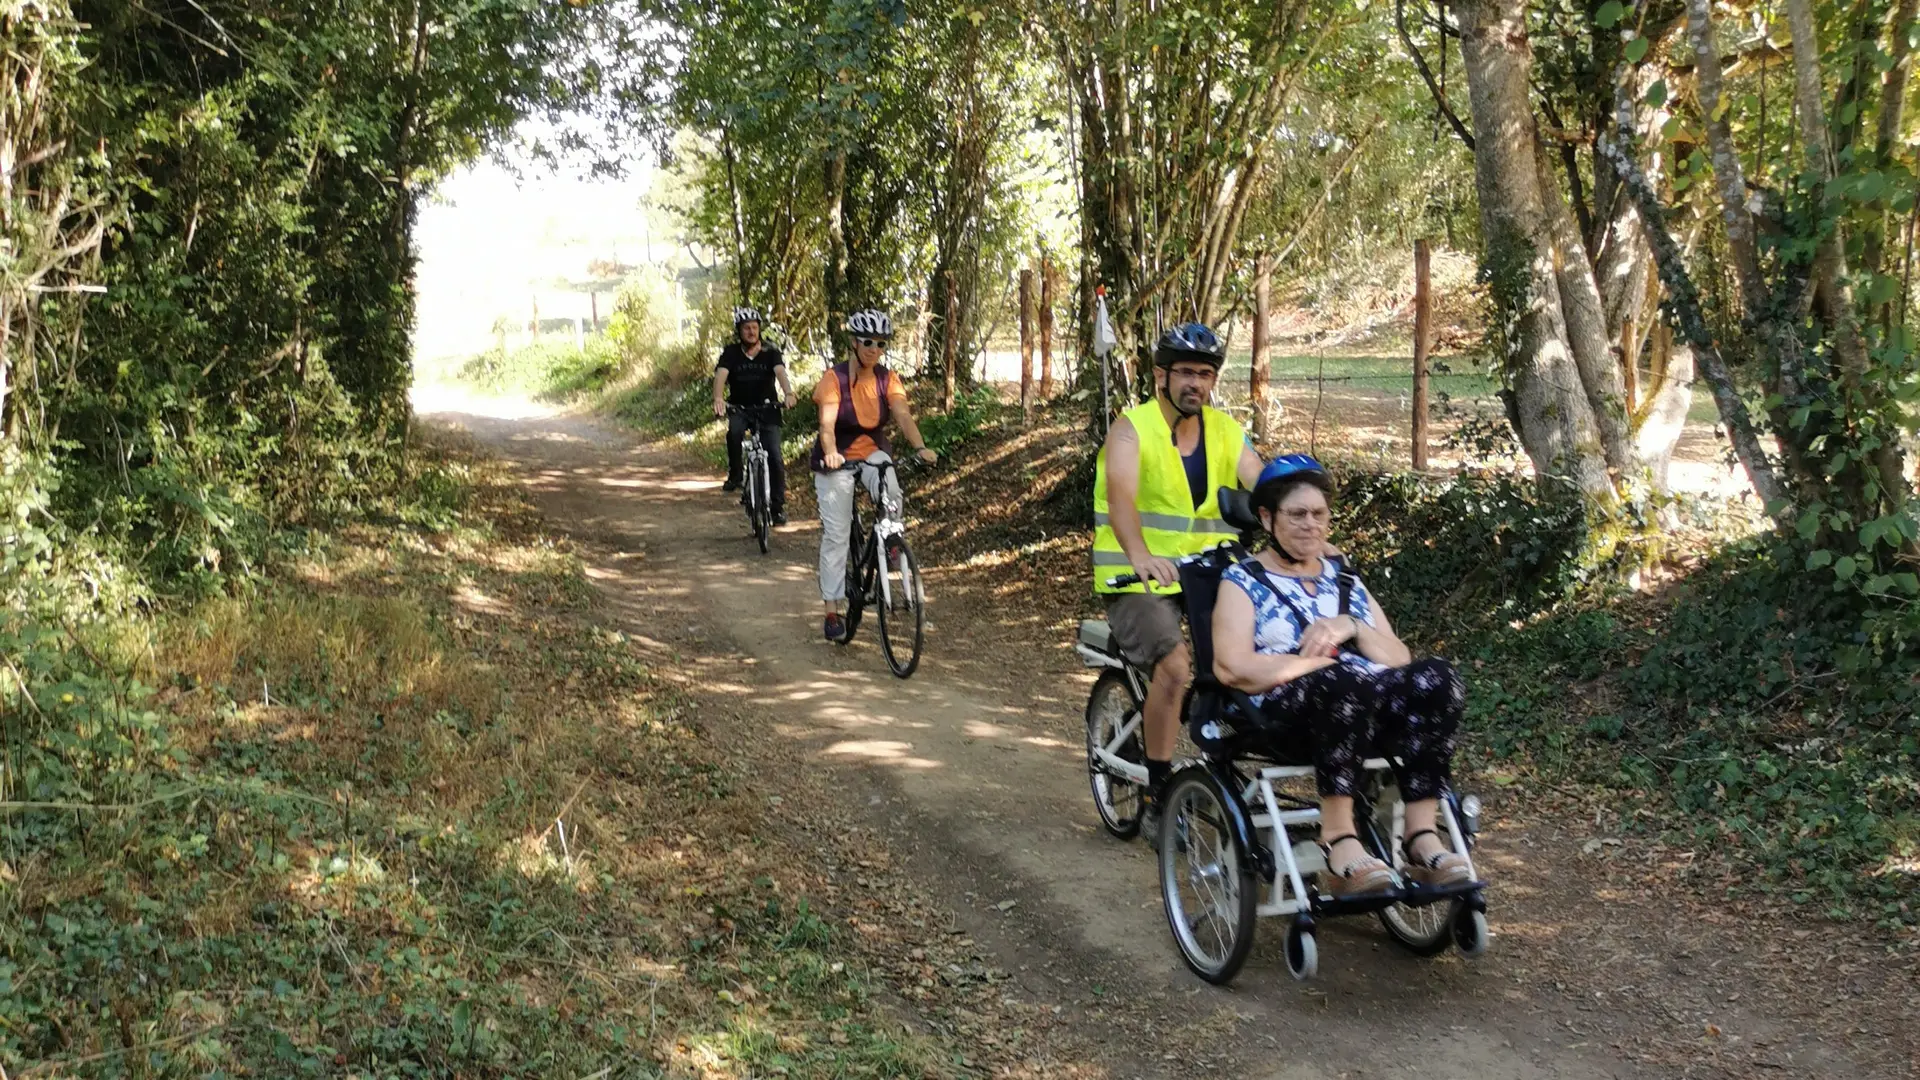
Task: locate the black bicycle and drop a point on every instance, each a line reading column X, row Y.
column 882, row 574
column 756, row 493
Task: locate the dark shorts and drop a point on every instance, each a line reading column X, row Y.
column 1146, row 627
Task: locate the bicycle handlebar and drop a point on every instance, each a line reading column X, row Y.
column 893, row 463
column 1121, row 581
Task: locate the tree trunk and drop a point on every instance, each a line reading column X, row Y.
column 740, row 273
column 1555, row 421
column 950, row 340
column 1259, row 378
column 1690, row 318
column 1046, row 329
column 1893, row 111
column 1585, row 321
column 838, row 303
column 1026, row 346
column 1830, row 265
column 1727, row 173
column 1422, row 339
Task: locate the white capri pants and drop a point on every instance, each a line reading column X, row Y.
column 834, row 492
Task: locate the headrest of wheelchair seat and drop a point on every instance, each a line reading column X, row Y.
column 1236, row 509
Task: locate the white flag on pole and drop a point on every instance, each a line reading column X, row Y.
column 1103, row 339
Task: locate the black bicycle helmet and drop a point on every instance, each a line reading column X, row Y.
column 1190, row 341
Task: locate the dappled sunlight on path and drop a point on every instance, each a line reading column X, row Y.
column 979, row 764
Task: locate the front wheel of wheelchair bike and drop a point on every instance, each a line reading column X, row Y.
column 1422, row 931
column 1303, row 952
column 1210, row 895
column 1110, row 708
column 902, row 605
column 1469, row 930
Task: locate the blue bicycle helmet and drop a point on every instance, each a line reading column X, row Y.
column 1283, row 472
column 1190, row 341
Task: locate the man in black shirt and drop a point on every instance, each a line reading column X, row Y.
column 754, row 376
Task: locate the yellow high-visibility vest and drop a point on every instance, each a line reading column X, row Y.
column 1168, row 520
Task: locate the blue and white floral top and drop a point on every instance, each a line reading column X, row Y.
column 1277, row 627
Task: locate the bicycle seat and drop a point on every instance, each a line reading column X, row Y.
column 1096, row 634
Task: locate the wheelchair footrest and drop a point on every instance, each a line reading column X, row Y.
column 1332, row 906
column 1418, row 895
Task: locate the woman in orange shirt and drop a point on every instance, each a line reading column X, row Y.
column 856, row 400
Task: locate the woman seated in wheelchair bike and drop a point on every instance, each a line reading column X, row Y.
column 1306, row 640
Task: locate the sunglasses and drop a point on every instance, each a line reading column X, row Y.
column 870, row 343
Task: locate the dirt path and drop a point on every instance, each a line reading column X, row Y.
column 979, row 789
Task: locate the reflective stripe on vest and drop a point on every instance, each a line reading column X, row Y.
column 1168, row 521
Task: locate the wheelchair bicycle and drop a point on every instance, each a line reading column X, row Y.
column 1236, row 842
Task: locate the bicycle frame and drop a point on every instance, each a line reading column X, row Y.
column 758, row 462
column 887, row 523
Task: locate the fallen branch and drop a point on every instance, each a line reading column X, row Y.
column 564, row 807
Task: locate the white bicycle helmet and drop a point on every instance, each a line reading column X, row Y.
column 871, row 323
column 746, row 315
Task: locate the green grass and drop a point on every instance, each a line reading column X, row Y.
column 1456, row 376
column 333, row 848
column 554, row 370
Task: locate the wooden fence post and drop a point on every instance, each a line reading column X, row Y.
column 1046, row 329
column 1026, row 346
column 593, row 297
column 950, row 338
column 1261, row 376
column 1422, row 335
column 536, row 320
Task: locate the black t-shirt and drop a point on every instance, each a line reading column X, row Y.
column 750, row 378
column 1196, row 466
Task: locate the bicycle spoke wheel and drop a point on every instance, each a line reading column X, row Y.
column 903, row 608
column 757, row 509
column 1210, row 900
column 1111, row 710
column 1423, row 931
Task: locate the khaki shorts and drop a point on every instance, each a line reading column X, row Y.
column 1146, row 627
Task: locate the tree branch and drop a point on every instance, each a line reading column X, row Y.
column 1426, row 73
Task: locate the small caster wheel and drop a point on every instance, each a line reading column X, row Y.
column 1470, row 931
column 1303, row 955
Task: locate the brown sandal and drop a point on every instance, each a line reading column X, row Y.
column 1438, row 870
column 1364, row 876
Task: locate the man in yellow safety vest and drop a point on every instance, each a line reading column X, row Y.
column 1155, row 498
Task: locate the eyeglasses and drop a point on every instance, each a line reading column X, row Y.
column 870, row 343
column 1196, row 374
column 1303, row 515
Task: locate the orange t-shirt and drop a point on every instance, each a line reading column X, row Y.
column 866, row 404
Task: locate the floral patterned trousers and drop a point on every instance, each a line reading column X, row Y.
column 1341, row 715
